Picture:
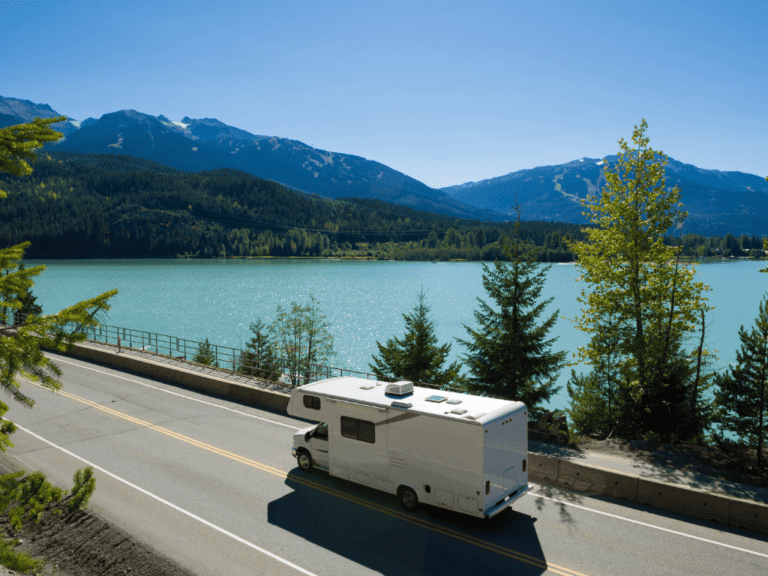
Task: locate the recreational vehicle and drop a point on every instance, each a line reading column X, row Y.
column 448, row 449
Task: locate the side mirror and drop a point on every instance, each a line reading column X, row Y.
column 307, row 435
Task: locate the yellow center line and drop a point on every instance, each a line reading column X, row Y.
column 332, row 491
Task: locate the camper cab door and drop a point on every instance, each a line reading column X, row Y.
column 359, row 444
column 318, row 445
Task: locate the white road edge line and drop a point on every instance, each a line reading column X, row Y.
column 650, row 525
column 226, row 533
column 177, row 394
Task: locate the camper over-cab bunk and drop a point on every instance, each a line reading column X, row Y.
column 448, row 449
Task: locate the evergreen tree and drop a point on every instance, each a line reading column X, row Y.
column 509, row 355
column 765, row 247
column 597, row 398
column 28, row 303
column 259, row 359
column 742, row 394
column 21, row 346
column 417, row 356
column 205, row 355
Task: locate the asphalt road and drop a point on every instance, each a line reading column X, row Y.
column 212, row 484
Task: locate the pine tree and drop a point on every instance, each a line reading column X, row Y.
column 598, row 398
column 742, row 394
column 765, row 247
column 417, row 356
column 259, row 358
column 205, row 355
column 28, row 303
column 509, row 355
column 21, row 346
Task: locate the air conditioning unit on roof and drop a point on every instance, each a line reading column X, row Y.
column 399, row 388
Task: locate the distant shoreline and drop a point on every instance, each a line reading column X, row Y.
column 686, row 260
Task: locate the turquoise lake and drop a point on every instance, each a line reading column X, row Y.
column 364, row 301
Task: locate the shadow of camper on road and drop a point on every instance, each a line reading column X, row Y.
column 367, row 527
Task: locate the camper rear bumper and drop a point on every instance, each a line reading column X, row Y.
column 508, row 501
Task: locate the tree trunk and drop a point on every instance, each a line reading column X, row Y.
column 695, row 395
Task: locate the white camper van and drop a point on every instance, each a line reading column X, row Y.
column 456, row 451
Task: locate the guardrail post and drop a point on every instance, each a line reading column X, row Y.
column 119, row 348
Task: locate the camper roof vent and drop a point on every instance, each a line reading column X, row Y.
column 436, row 398
column 366, row 387
column 399, row 404
column 399, row 388
column 474, row 415
column 454, row 401
column 458, row 411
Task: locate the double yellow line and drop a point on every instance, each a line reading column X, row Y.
column 332, row 491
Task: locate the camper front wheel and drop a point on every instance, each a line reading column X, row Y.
column 408, row 499
column 305, row 461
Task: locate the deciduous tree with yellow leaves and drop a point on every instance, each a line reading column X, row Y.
column 638, row 299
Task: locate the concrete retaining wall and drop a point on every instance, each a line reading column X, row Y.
column 541, row 468
column 185, row 377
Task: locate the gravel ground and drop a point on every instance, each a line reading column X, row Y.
column 84, row 544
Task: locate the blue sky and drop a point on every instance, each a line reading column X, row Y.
column 445, row 92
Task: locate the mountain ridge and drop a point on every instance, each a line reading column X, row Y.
column 207, row 144
column 718, row 202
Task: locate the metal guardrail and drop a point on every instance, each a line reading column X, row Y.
column 225, row 359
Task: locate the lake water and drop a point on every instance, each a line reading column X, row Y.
column 364, row 301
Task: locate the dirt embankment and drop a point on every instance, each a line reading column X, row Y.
column 84, row 544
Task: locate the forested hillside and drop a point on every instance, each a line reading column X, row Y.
column 114, row 206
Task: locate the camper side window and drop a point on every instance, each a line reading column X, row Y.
column 312, row 402
column 358, row 429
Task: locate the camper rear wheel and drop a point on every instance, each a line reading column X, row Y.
column 408, row 498
column 305, row 461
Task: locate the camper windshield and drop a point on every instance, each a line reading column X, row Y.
column 321, row 431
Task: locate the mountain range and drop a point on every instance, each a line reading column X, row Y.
column 206, row 144
column 717, row 202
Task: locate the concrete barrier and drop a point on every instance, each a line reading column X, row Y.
column 580, row 477
column 749, row 515
column 208, row 383
column 541, row 468
column 684, row 499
